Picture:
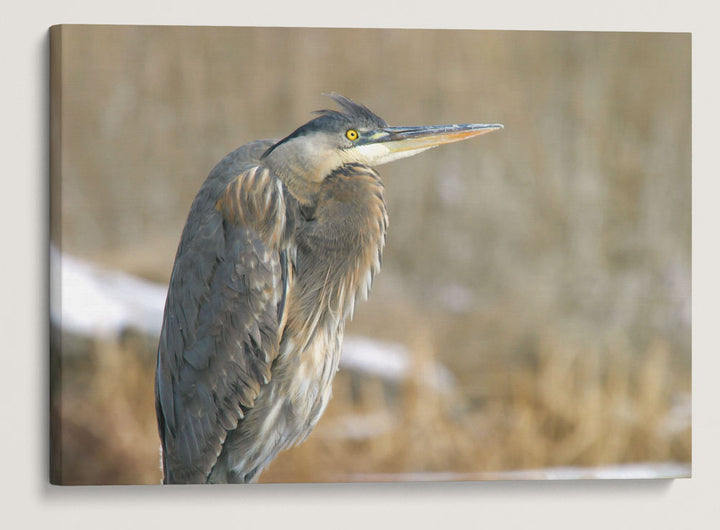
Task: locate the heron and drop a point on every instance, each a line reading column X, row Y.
column 282, row 240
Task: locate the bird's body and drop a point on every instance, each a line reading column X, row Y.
column 281, row 241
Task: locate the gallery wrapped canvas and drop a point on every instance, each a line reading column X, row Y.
column 531, row 319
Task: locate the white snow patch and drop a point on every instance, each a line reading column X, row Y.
column 89, row 300
column 642, row 471
column 391, row 361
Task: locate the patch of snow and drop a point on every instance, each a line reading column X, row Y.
column 391, row 361
column 92, row 301
column 642, row 471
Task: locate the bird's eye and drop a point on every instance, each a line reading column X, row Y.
column 351, row 134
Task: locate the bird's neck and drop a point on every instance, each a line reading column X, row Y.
column 340, row 246
column 301, row 168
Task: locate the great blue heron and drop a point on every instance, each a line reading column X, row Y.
column 281, row 241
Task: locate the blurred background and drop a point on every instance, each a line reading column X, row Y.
column 532, row 318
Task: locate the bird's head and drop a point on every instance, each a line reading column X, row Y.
column 354, row 135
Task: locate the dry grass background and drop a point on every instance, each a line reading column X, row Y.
column 547, row 265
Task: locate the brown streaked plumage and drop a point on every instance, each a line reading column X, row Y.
column 282, row 240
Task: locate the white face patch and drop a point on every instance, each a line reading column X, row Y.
column 376, row 154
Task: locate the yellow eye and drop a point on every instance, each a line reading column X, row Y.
column 351, row 134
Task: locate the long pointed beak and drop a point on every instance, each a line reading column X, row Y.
column 424, row 137
column 391, row 143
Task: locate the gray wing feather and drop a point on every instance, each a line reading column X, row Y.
column 220, row 330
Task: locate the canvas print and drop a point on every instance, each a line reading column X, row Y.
column 368, row 255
